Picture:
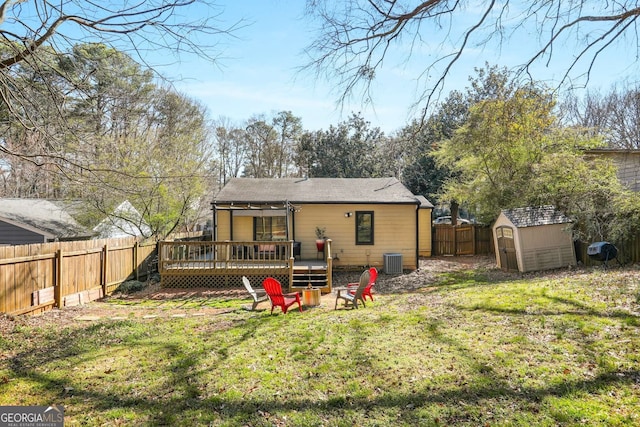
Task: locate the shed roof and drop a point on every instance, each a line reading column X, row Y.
column 42, row 215
column 535, row 216
column 315, row 190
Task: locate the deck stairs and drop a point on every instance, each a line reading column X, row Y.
column 314, row 275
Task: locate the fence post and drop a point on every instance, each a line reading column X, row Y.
column 136, row 247
column 103, row 273
column 455, row 240
column 57, row 286
column 475, row 239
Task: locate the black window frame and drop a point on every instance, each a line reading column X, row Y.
column 359, row 219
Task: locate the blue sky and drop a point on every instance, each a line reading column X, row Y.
column 257, row 72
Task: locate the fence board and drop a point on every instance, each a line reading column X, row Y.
column 87, row 270
column 484, row 241
column 465, row 240
column 443, row 240
column 462, row 240
column 628, row 252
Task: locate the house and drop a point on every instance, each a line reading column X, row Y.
column 366, row 219
column 124, row 221
column 532, row 239
column 425, row 215
column 26, row 221
column 627, row 164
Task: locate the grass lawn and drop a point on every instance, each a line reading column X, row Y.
column 555, row 349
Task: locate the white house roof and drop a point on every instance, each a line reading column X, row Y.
column 42, row 215
column 316, row 190
column 125, row 221
column 535, row 216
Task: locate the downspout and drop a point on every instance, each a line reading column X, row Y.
column 214, row 232
column 418, row 235
column 293, row 224
column 286, row 219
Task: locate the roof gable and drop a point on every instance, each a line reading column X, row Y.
column 535, row 216
column 124, row 221
column 315, row 190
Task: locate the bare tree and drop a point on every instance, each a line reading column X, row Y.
column 262, row 149
column 231, row 147
column 357, row 36
column 289, row 128
column 37, row 36
column 614, row 115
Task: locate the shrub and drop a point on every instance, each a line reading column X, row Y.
column 130, row 287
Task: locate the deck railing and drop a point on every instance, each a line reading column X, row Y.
column 208, row 255
column 187, row 264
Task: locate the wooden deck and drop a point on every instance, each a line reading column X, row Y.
column 222, row 265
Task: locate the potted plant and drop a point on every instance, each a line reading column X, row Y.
column 320, row 237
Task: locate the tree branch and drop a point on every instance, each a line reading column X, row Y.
column 356, row 36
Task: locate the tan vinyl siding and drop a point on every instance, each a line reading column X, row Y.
column 243, row 228
column 394, row 231
column 629, row 170
column 425, row 231
column 627, row 163
column 224, row 230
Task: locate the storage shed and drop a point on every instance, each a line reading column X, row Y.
column 533, row 239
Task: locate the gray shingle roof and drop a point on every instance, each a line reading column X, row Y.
column 535, row 216
column 42, row 215
column 315, row 190
column 424, row 203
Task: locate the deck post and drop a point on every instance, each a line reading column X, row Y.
column 329, row 264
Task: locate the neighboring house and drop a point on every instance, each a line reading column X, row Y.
column 627, row 163
column 532, row 239
column 124, row 221
column 365, row 218
column 26, row 221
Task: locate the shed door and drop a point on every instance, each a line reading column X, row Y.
column 507, row 249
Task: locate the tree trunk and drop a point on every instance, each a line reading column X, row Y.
column 454, row 212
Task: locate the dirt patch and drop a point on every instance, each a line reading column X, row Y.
column 155, row 293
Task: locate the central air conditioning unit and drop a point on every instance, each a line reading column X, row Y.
column 392, row 263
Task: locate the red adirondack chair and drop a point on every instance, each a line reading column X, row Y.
column 373, row 275
column 277, row 298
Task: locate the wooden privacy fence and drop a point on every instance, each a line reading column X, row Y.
column 478, row 240
column 36, row 278
column 466, row 239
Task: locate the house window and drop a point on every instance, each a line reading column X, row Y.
column 364, row 228
column 269, row 228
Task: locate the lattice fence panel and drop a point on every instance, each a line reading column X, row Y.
column 218, row 282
